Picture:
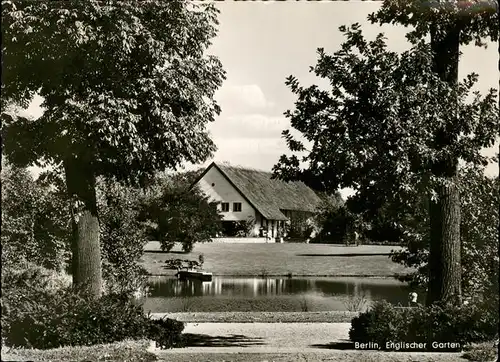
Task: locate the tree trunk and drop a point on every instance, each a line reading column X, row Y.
column 445, row 269
column 445, row 274
column 86, row 258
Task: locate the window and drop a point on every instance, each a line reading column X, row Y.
column 225, row 206
column 237, row 206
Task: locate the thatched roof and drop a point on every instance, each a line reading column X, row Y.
column 270, row 196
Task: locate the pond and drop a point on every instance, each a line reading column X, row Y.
column 272, row 294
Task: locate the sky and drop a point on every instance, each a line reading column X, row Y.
column 261, row 43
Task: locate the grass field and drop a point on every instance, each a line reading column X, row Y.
column 280, row 259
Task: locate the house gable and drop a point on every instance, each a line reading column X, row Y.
column 218, row 188
column 271, row 196
column 267, row 196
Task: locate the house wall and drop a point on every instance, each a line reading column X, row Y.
column 272, row 227
column 223, row 191
column 241, row 240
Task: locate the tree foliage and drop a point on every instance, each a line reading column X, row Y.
column 127, row 91
column 477, row 19
column 123, row 236
column 334, row 220
column 130, row 79
column 35, row 220
column 175, row 214
column 479, row 230
column 479, row 237
column 395, row 126
column 375, row 129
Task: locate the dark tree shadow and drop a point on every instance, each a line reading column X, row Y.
column 342, row 345
column 235, row 340
column 165, row 252
column 347, row 255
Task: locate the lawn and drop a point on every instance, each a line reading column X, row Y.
column 280, row 259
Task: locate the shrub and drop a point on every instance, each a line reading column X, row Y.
column 301, row 226
column 461, row 325
column 356, row 303
column 22, row 284
column 486, row 351
column 181, row 264
column 244, row 228
column 380, row 324
column 304, row 304
column 33, row 278
column 69, row 319
column 39, row 310
column 167, row 333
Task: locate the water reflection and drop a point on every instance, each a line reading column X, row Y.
column 374, row 289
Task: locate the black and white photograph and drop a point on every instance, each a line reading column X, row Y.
column 250, row 181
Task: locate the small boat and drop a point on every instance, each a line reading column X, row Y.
column 194, row 274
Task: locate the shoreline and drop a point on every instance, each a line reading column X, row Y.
column 260, row 317
column 374, row 276
column 280, row 260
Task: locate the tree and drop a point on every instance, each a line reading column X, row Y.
column 126, row 89
column 449, row 25
column 480, row 198
column 380, row 129
column 179, row 215
column 35, row 222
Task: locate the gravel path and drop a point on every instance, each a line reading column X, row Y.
column 309, row 341
column 260, row 337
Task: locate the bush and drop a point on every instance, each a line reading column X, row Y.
column 181, row 264
column 167, row 333
column 486, row 351
column 32, row 278
column 39, row 310
column 449, row 324
column 69, row 319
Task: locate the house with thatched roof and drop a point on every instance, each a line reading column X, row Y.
column 249, row 195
